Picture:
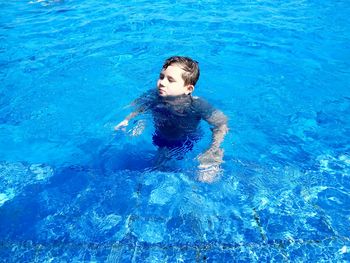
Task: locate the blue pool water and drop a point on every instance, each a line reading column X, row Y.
column 71, row 189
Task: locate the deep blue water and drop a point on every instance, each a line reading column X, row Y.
column 72, row 189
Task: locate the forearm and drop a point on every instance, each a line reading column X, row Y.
column 124, row 123
column 214, row 154
column 132, row 115
column 218, row 136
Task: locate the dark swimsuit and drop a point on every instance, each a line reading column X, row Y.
column 176, row 119
column 186, row 143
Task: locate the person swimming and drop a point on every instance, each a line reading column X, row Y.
column 177, row 114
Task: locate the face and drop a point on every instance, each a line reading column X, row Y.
column 170, row 82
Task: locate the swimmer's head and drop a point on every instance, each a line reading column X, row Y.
column 178, row 76
column 188, row 65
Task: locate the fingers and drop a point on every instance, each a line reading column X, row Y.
column 209, row 174
column 116, row 128
column 138, row 129
column 134, row 131
column 209, row 165
column 121, row 125
column 211, row 157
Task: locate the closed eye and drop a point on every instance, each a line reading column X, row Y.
column 171, row 79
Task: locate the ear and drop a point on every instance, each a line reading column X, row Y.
column 190, row 89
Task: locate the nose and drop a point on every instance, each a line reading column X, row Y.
column 161, row 83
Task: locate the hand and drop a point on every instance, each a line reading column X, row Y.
column 209, row 165
column 211, row 157
column 138, row 129
column 122, row 125
column 209, row 174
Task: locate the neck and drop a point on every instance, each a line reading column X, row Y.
column 183, row 97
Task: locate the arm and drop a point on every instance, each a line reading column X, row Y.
column 210, row 160
column 214, row 154
column 141, row 104
column 125, row 122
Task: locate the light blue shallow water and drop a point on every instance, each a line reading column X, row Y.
column 73, row 190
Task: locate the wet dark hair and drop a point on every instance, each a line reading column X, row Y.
column 190, row 66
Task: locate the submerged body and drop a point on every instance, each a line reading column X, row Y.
column 177, row 118
column 177, row 114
